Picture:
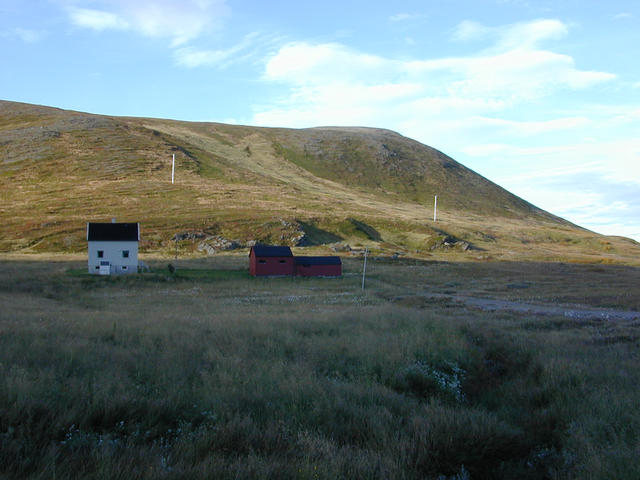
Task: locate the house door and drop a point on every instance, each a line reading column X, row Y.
column 105, row 268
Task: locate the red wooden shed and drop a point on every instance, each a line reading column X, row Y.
column 268, row 260
column 318, row 266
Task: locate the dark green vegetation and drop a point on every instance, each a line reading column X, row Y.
column 205, row 374
column 323, row 188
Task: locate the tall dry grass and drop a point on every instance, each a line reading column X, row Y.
column 226, row 376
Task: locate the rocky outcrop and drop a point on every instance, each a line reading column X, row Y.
column 448, row 242
column 207, row 243
column 179, row 237
column 341, row 247
column 293, row 234
column 217, row 243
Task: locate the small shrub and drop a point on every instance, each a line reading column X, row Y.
column 424, row 381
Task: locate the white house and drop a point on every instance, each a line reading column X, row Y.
column 113, row 247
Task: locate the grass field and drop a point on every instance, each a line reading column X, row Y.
column 209, row 373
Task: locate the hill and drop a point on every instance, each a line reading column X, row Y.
column 327, row 188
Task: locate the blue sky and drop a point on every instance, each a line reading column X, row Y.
column 542, row 97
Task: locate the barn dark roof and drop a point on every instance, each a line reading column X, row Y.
column 113, row 232
column 269, row 251
column 318, row 260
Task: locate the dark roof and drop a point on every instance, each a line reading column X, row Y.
column 318, row 260
column 269, row 251
column 113, row 232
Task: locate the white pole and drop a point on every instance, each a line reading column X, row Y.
column 435, row 207
column 364, row 269
column 173, row 167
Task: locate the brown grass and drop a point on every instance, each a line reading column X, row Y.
column 209, row 373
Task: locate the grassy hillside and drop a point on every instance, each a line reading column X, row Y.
column 322, row 188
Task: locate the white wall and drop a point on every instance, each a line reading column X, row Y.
column 113, row 255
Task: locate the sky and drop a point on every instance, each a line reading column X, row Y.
column 539, row 96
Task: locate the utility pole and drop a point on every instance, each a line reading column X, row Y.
column 364, row 269
column 173, row 167
column 435, row 207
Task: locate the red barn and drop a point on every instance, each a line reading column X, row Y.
column 267, row 260
column 318, row 266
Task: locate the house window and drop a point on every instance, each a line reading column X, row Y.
column 100, row 253
column 262, row 261
column 97, row 268
column 125, row 254
column 283, row 261
column 124, row 267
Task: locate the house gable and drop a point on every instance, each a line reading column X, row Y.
column 112, row 247
column 271, row 260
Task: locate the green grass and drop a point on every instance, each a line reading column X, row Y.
column 163, row 274
column 209, row 373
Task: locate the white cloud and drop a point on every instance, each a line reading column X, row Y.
column 398, row 17
column 335, row 104
column 509, row 150
column 305, row 64
column 531, row 34
column 454, row 88
column 616, row 161
column 191, row 57
column 449, row 106
column 623, row 16
column 527, row 128
column 515, row 74
column 26, row 35
column 470, row 30
column 180, row 21
column 619, row 161
column 517, row 35
column 403, row 17
column 97, row 19
column 515, row 67
column 485, row 149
